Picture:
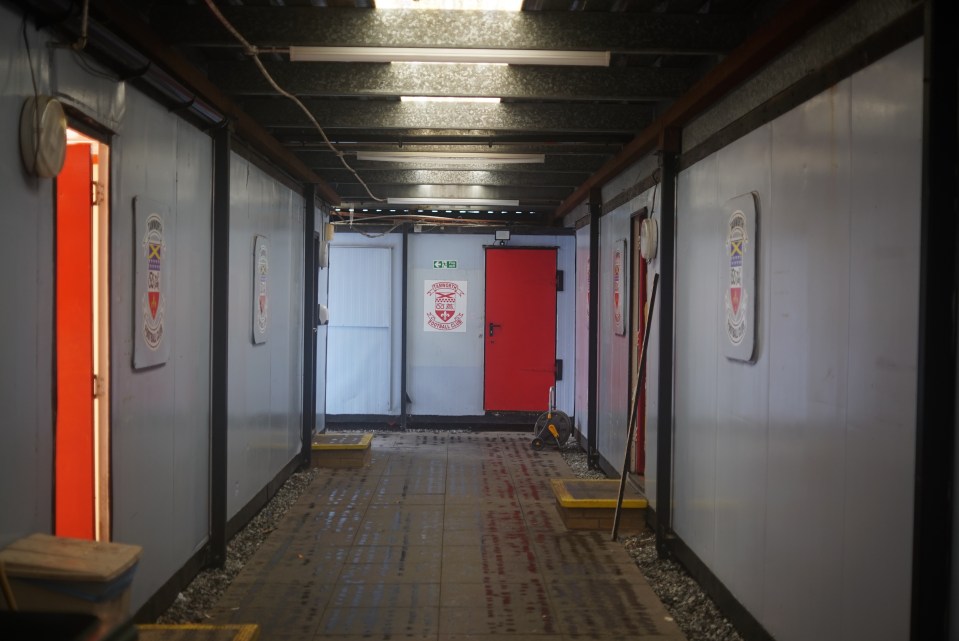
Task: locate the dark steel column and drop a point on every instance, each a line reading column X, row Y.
column 309, row 322
column 669, row 162
column 595, row 211
column 404, row 327
column 220, row 338
column 936, row 406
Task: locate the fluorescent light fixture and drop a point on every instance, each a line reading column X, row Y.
column 452, row 158
column 448, row 99
column 435, row 203
column 456, row 5
column 436, row 54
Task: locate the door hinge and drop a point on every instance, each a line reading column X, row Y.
column 559, row 369
column 96, row 193
column 559, row 280
column 97, row 386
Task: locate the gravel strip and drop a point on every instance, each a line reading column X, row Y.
column 193, row 604
column 696, row 614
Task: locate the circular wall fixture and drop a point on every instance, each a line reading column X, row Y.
column 43, row 136
column 648, row 238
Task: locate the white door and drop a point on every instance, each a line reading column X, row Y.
column 358, row 364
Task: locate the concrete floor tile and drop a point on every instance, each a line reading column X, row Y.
column 385, row 595
column 419, row 623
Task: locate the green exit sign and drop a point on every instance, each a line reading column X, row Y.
column 444, row 264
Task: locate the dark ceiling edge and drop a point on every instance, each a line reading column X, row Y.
column 783, row 30
column 139, row 35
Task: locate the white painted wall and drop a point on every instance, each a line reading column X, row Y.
column 793, row 476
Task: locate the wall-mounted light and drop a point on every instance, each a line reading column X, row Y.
column 438, row 54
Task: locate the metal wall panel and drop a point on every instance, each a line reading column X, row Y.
column 364, row 335
column 160, row 416
column 698, row 300
column 886, row 124
column 26, row 351
column 776, row 463
column 265, row 387
column 445, row 369
column 612, row 398
column 808, row 274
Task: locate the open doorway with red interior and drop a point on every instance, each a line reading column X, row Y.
column 82, row 442
column 637, row 325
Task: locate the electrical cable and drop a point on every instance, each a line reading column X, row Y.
column 253, row 52
column 36, row 92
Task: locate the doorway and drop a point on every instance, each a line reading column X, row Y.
column 82, row 442
column 520, row 331
column 637, row 326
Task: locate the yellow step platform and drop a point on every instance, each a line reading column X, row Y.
column 199, row 632
column 342, row 450
column 590, row 504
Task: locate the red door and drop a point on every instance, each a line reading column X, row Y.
column 74, row 503
column 520, row 328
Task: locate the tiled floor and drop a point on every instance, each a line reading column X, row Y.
column 444, row 536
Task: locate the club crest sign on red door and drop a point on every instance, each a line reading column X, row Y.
column 444, row 304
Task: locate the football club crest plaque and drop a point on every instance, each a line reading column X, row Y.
column 261, row 289
column 153, row 278
column 738, row 270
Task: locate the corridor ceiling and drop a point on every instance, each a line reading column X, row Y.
column 572, row 118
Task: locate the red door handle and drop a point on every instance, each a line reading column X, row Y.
column 491, row 326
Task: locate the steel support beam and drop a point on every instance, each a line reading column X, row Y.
column 392, row 114
column 669, row 146
column 317, row 79
column 933, row 617
column 220, row 339
column 792, row 22
column 309, row 323
column 592, row 401
column 655, row 33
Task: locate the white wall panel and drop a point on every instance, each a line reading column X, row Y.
column 808, row 273
column 612, row 408
column 160, row 416
column 785, row 469
column 698, row 300
column 886, row 126
column 265, row 386
column 446, row 368
column 742, row 406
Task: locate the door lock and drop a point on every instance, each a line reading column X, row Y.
column 491, row 326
